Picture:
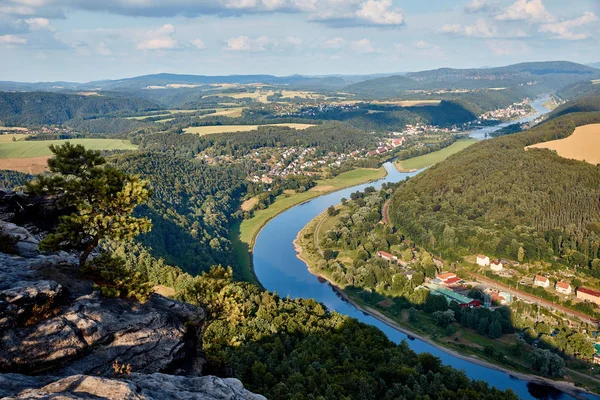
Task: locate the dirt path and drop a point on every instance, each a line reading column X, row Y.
column 385, row 212
column 583, row 317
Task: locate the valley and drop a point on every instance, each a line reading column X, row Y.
column 204, row 189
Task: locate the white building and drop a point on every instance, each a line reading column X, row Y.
column 496, row 265
column 482, row 260
column 563, row 287
column 541, row 281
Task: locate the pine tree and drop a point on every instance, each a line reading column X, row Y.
column 101, row 200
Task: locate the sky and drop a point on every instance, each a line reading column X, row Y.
column 85, row 40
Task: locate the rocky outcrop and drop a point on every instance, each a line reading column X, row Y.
column 134, row 387
column 59, row 338
column 43, row 327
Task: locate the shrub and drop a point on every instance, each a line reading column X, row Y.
column 114, row 279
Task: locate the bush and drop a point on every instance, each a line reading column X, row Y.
column 114, row 279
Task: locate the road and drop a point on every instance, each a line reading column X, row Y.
column 526, row 296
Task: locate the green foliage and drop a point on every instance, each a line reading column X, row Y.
column 115, row 279
column 13, row 179
column 496, row 193
column 547, row 363
column 100, row 200
column 285, row 348
column 192, row 206
column 38, row 108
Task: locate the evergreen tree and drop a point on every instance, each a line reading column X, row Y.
column 100, row 199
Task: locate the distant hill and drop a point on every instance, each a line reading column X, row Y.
column 582, row 105
column 38, row 108
column 537, row 78
column 579, row 89
column 594, row 65
column 383, row 87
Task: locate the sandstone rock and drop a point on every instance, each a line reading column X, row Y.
column 138, row 386
column 27, row 245
column 89, row 336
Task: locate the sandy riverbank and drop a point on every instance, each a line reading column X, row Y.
column 563, row 386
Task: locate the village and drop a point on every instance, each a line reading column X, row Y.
column 477, row 286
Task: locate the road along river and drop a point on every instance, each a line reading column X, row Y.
column 279, row 270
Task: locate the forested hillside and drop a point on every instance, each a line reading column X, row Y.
column 580, row 89
column 37, row 108
column 190, row 209
column 495, row 197
column 584, row 104
column 328, row 137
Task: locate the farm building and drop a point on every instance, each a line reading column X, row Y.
column 541, row 281
column 444, row 278
column 482, row 260
column 588, row 295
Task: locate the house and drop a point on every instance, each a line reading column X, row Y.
column 541, row 281
column 381, row 150
column 588, row 295
column 386, row 256
column 563, row 287
column 373, row 153
column 446, row 276
column 267, row 180
column 482, row 260
column 496, row 265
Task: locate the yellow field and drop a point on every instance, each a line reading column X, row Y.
column 9, row 137
column 409, row 103
column 583, row 145
column 207, row 130
column 226, row 112
column 31, row 165
column 13, row 128
column 261, row 95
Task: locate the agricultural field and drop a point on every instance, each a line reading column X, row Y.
column 208, row 130
column 235, row 112
column 31, row 156
column 435, row 157
column 582, row 145
column 8, row 137
column 408, row 103
column 166, row 113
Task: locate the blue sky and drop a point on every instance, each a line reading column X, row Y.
column 82, row 40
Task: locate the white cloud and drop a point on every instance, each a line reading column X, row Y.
column 244, row 43
column 160, row 39
column 12, row 40
column 334, row 43
column 198, row 43
column 562, row 29
column 474, row 6
column 363, row 46
column 103, row 50
column 532, row 10
column 481, row 29
column 36, row 24
column 241, row 4
column 380, row 12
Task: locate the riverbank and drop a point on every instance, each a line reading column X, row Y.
column 243, row 234
column 564, row 386
column 427, row 160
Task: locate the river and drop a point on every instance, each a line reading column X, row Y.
column 279, row 270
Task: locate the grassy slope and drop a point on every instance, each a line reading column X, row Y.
column 35, row 148
column 243, row 235
column 435, row 157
